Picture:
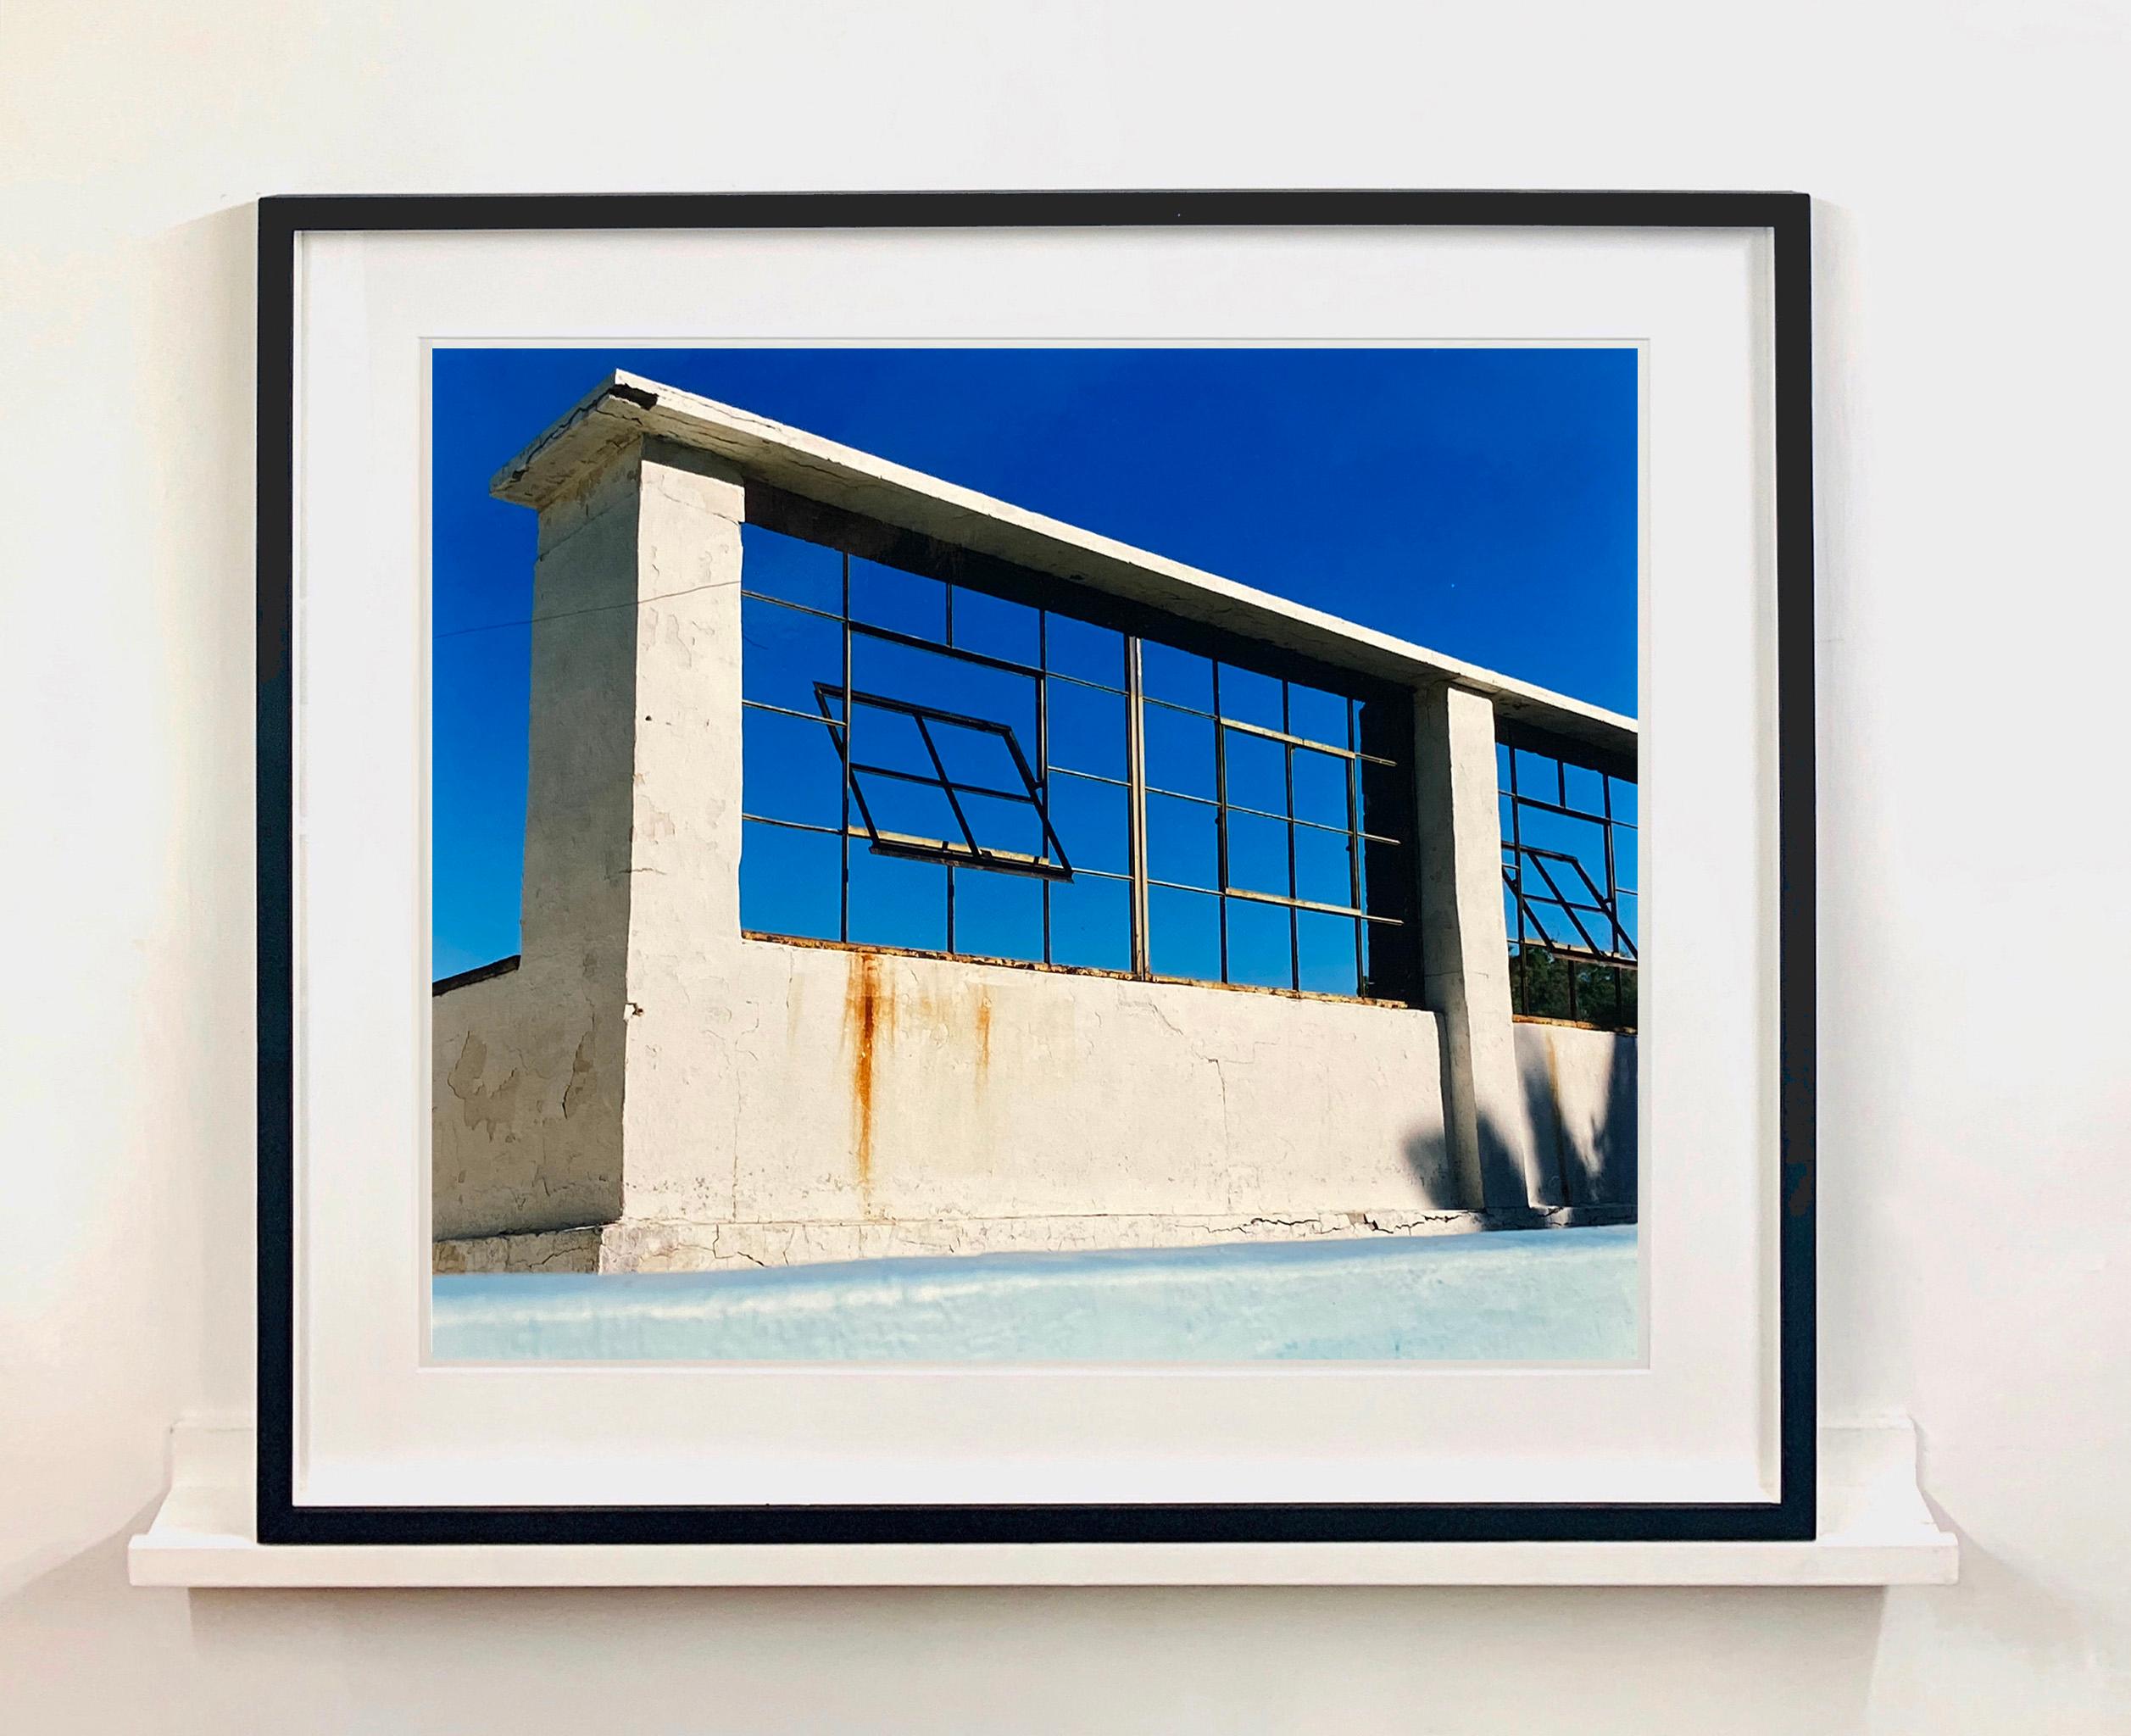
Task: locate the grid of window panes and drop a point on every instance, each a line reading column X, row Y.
column 1258, row 855
column 1569, row 837
column 1254, row 825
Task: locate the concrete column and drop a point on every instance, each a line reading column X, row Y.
column 683, row 1127
column 1500, row 1163
column 631, row 894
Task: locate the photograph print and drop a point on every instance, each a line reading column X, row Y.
column 1024, row 855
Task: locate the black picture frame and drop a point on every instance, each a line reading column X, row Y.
column 1787, row 216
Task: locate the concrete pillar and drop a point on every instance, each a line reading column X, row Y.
column 1500, row 1163
column 632, row 801
column 682, row 1123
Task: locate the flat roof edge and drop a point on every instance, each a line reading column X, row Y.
column 626, row 408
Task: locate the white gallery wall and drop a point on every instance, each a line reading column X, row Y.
column 1976, row 951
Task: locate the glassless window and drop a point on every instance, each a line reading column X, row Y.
column 1568, row 887
column 929, row 765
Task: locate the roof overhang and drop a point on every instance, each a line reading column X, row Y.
column 626, row 408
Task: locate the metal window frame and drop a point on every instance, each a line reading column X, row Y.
column 1392, row 915
column 1617, row 953
column 969, row 853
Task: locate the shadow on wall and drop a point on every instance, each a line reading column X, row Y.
column 1580, row 1091
column 1426, row 1150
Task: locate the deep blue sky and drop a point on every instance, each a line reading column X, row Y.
column 1480, row 502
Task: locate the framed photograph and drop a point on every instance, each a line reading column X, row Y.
column 1036, row 867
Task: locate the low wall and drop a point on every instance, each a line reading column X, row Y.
column 1580, row 1091
column 800, row 1103
column 525, row 1106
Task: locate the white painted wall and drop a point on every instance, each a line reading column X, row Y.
column 1579, row 1088
column 1975, row 1101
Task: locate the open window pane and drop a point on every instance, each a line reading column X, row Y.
column 783, row 653
column 1324, row 866
column 1325, row 953
column 903, row 603
column 1183, row 934
column 998, row 915
column 1320, row 786
column 976, row 756
column 1091, row 923
column 791, row 882
column 1090, row 821
column 1013, row 827
column 1249, row 697
column 1258, row 854
column 1085, row 730
column 1175, row 676
column 909, row 813
column 791, row 768
column 1257, row 772
column 802, row 572
column 885, row 738
column 1180, row 751
column 1260, row 949
column 1318, row 716
column 994, row 627
column 1385, row 951
column 1182, row 842
column 896, row 902
column 1090, row 654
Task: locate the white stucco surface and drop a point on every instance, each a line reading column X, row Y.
column 1580, row 1091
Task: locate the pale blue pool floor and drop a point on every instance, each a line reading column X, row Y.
column 1508, row 1296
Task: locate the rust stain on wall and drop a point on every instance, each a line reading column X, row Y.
column 942, row 1021
column 869, row 1021
column 983, row 1033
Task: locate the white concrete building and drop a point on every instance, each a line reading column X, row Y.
column 1131, row 1024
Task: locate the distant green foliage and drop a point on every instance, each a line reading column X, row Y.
column 1547, row 986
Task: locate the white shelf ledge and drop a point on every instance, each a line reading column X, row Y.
column 1875, row 1530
